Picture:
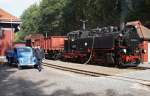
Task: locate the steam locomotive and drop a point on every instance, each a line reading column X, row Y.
column 110, row 46
column 106, row 46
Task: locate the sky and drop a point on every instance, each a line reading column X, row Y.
column 16, row 7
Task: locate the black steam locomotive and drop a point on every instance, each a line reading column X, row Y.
column 106, row 46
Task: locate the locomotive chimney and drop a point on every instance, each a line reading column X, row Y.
column 84, row 24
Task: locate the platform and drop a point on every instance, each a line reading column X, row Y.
column 3, row 60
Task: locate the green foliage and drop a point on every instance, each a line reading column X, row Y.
column 51, row 16
column 57, row 17
column 30, row 19
column 19, row 36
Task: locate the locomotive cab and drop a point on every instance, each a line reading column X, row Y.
column 128, row 52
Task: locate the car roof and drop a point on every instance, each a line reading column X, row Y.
column 23, row 47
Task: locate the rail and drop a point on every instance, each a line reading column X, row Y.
column 95, row 74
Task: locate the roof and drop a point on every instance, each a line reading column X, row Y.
column 143, row 31
column 5, row 16
column 34, row 36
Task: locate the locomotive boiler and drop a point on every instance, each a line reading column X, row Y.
column 106, row 46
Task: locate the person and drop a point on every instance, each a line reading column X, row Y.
column 9, row 56
column 39, row 54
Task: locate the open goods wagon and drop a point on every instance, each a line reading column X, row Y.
column 52, row 45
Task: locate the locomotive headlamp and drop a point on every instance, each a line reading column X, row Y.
column 125, row 50
column 85, row 43
column 72, row 40
column 144, row 51
column 120, row 34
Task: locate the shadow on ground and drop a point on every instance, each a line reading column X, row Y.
column 69, row 92
column 21, row 87
column 22, row 68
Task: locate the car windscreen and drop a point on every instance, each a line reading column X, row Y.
column 24, row 49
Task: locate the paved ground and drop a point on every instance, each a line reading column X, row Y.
column 145, row 65
column 51, row 82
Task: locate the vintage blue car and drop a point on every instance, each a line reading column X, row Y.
column 23, row 56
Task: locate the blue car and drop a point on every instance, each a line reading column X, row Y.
column 23, row 56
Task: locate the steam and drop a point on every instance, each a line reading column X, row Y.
column 126, row 5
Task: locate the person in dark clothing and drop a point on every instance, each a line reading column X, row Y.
column 9, row 56
column 39, row 54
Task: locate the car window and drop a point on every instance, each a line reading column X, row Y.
column 24, row 50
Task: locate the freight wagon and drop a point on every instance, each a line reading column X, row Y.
column 52, row 45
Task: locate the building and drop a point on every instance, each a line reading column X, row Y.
column 8, row 25
column 144, row 34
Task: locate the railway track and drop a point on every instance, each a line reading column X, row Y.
column 95, row 74
column 138, row 68
column 89, row 73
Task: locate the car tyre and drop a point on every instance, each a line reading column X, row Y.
column 35, row 66
column 19, row 67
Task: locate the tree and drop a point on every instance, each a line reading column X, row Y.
column 51, row 16
column 30, row 20
column 58, row 17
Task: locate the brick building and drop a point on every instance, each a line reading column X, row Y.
column 8, row 25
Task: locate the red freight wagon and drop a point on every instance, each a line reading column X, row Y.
column 45, row 44
column 34, row 40
column 52, row 44
column 57, row 42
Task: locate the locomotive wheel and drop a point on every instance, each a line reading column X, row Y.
column 119, row 63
